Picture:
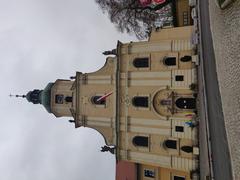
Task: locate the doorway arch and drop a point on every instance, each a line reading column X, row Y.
column 186, row 103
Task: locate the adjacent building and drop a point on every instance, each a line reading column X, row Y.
column 182, row 13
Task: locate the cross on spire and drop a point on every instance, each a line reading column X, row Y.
column 17, row 96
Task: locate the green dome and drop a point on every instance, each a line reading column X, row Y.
column 45, row 97
column 41, row 97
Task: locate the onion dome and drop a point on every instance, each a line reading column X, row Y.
column 41, row 97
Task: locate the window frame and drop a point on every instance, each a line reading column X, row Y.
column 141, row 96
column 149, row 170
column 145, row 58
column 174, row 175
column 57, row 96
column 179, row 127
column 166, row 57
column 169, row 148
column 96, row 104
column 172, row 54
column 185, row 56
column 141, row 146
column 67, row 99
column 135, row 56
column 179, row 78
column 180, row 105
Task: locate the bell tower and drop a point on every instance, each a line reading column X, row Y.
column 90, row 99
column 94, row 96
column 62, row 100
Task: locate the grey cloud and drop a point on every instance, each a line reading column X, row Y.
column 40, row 41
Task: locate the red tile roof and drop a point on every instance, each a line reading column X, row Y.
column 126, row 171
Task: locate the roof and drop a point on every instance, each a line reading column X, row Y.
column 41, row 96
column 126, row 171
column 45, row 97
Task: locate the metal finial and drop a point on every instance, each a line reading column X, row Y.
column 22, row 96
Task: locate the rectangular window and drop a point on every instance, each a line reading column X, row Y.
column 178, row 178
column 149, row 173
column 179, row 128
column 185, row 18
column 140, row 101
column 171, row 144
column 59, row 98
column 68, row 99
column 179, row 78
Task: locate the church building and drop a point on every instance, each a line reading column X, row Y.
column 139, row 101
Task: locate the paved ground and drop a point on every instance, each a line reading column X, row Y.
column 220, row 156
column 203, row 141
column 225, row 27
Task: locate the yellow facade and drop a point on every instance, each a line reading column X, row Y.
column 157, row 122
column 151, row 86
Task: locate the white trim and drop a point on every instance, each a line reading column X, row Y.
column 99, row 81
column 91, row 77
column 162, row 75
column 150, row 82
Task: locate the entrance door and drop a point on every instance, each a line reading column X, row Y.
column 186, row 103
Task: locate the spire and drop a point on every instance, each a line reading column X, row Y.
column 17, row 96
column 37, row 96
column 31, row 96
column 34, row 96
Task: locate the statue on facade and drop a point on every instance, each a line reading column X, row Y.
column 108, row 149
column 112, row 52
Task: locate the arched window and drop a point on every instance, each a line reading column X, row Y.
column 171, row 144
column 95, row 100
column 140, row 101
column 170, row 61
column 186, row 103
column 186, row 58
column 140, row 141
column 187, row 149
column 68, row 99
column 141, row 62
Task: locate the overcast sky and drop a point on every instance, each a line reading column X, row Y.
column 41, row 41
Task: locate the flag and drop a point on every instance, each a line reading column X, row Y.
column 189, row 115
column 190, row 124
column 104, row 96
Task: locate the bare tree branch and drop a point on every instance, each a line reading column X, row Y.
column 131, row 17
